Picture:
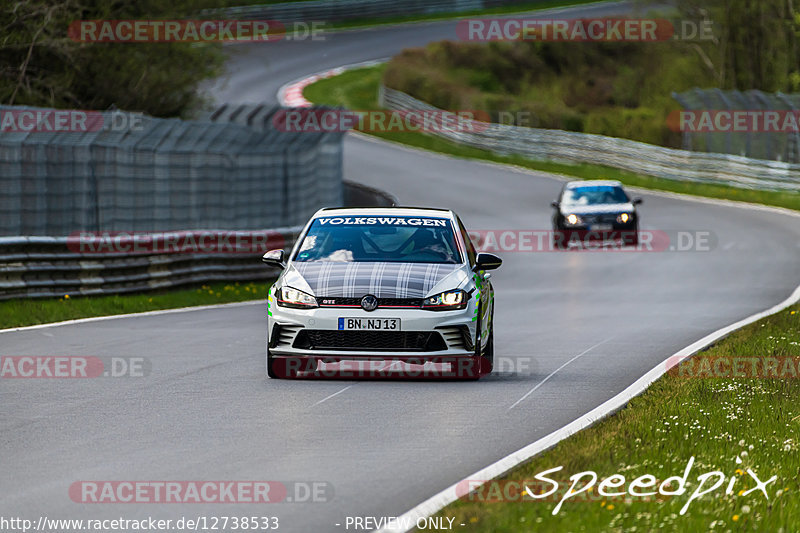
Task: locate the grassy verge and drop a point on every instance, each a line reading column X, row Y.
column 358, row 89
column 27, row 312
column 715, row 420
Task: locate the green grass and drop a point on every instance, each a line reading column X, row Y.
column 358, row 89
column 714, row 420
column 27, row 312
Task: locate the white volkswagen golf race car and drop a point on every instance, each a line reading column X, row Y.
column 392, row 284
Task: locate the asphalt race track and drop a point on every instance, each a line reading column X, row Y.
column 206, row 411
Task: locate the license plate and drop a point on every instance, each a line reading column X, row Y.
column 600, row 227
column 369, row 324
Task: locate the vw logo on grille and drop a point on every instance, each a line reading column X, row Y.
column 369, row 303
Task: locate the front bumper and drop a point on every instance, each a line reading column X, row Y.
column 424, row 335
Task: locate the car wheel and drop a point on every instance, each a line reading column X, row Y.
column 487, row 361
column 632, row 239
column 480, row 364
column 272, row 364
column 487, row 358
column 559, row 241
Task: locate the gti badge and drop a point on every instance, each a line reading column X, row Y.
column 369, row 303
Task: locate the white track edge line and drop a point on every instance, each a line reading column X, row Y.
column 133, row 315
column 440, row 500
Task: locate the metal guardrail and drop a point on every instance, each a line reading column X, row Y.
column 38, row 267
column 96, row 263
column 633, row 156
column 342, row 10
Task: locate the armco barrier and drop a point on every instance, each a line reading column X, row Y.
column 642, row 158
column 36, row 267
column 40, row 267
column 344, row 10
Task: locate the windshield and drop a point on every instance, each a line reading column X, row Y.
column 593, row 195
column 382, row 239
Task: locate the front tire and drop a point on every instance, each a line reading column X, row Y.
column 559, row 240
column 487, row 359
column 271, row 370
column 288, row 368
column 632, row 238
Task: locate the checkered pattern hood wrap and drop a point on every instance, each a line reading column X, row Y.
column 384, row 280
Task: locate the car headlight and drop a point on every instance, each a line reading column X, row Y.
column 289, row 297
column 573, row 219
column 446, row 301
column 623, row 218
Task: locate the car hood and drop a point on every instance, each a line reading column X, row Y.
column 595, row 209
column 354, row 280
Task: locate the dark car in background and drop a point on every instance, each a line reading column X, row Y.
column 595, row 210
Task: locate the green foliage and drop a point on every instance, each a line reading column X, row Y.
column 40, row 65
column 622, row 89
column 755, row 45
column 619, row 89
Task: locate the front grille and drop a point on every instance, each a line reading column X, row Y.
column 382, row 302
column 602, row 218
column 419, row 341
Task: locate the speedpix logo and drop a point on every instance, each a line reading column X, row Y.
column 645, row 486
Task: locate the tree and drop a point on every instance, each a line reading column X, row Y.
column 41, row 66
column 755, row 45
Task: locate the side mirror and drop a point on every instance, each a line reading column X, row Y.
column 637, row 201
column 486, row 261
column 274, row 258
column 554, row 204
